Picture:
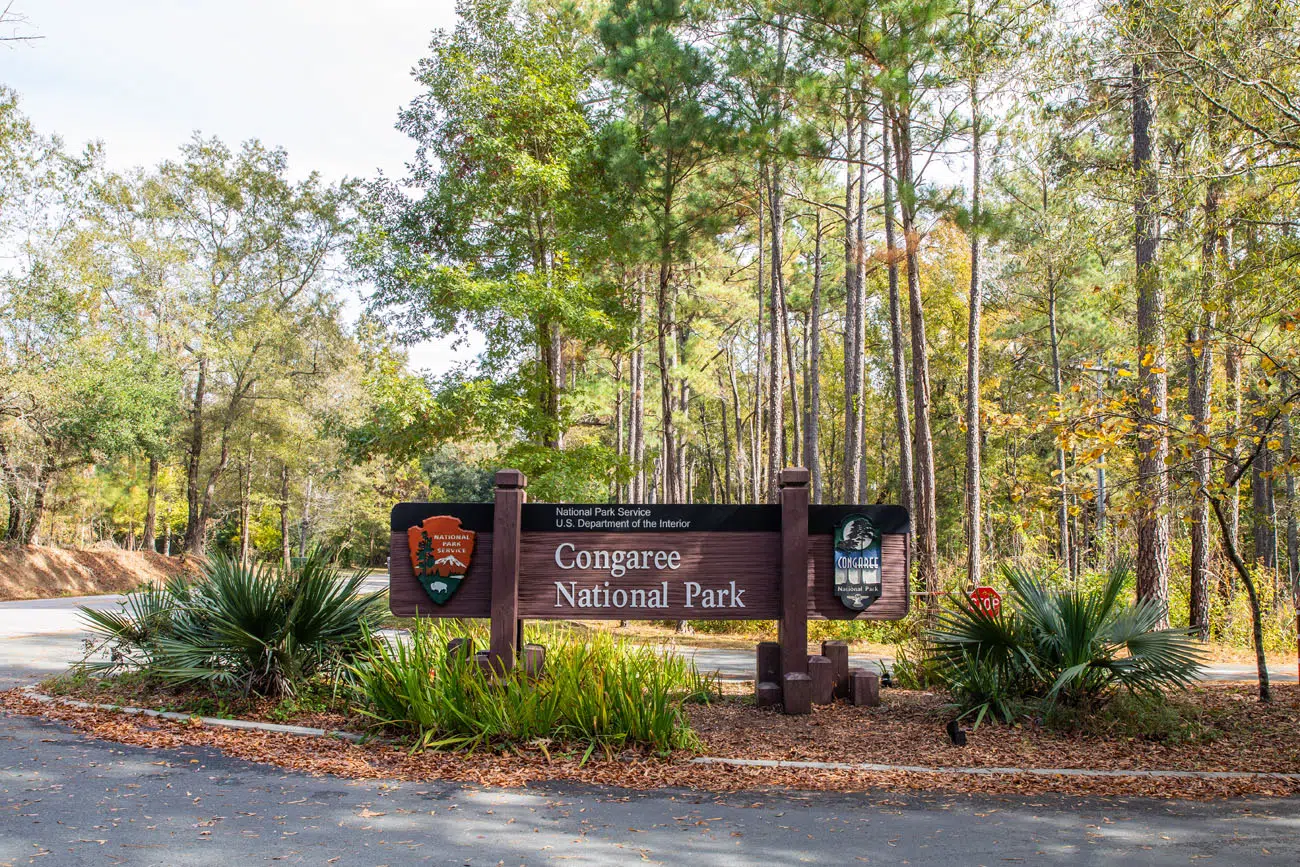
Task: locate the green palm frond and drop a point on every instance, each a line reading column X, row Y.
column 1066, row 644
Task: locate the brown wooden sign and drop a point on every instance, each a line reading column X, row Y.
column 648, row 562
column 512, row 561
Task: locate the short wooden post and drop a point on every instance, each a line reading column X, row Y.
column 460, row 647
column 793, row 625
column 534, row 660
column 506, row 528
column 767, row 666
column 483, row 660
column 823, row 679
column 767, row 694
column 838, row 653
column 864, row 688
column 798, row 693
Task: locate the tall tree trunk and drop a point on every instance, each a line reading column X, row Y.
column 619, row 444
column 246, row 506
column 553, row 357
column 974, row 527
column 664, row 330
column 686, row 490
column 1261, row 512
column 741, row 462
column 859, row 317
column 1153, row 441
column 724, row 424
column 638, row 394
column 776, row 375
column 195, row 532
column 760, row 395
column 304, row 525
column 850, row 467
column 1292, row 531
column 149, row 542
column 284, row 517
column 796, row 433
column 1200, row 368
column 31, row 530
column 898, row 352
column 1256, row 615
column 812, row 446
column 1058, row 390
column 925, row 517
column 1232, row 357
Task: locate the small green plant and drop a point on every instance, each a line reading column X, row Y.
column 980, row 689
column 1073, row 646
column 914, row 668
column 596, row 690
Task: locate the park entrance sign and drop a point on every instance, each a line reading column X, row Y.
column 511, row 561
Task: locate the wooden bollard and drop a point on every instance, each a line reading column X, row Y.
column 823, row 680
column 534, row 660
column 838, row 653
column 767, row 666
column 460, row 646
column 797, row 694
column 767, row 694
column 484, row 661
column 864, row 688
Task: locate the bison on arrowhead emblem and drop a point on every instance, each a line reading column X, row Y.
column 440, row 555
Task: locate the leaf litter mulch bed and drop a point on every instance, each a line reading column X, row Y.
column 1235, row 733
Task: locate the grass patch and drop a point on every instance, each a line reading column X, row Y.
column 597, row 690
column 1170, row 718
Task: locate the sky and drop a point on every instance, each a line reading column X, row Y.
column 321, row 78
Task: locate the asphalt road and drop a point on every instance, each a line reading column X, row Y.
column 41, row 637
column 68, row 800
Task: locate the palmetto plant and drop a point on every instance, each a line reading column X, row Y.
column 1070, row 645
column 250, row 627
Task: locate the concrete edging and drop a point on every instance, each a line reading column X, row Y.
column 775, row 764
column 245, row 725
column 976, row 771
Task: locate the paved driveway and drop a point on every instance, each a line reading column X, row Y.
column 70, row 800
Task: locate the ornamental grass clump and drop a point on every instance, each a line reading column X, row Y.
column 1070, row 646
column 248, row 627
column 596, row 691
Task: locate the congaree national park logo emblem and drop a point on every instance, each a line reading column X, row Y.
column 857, row 562
column 440, row 555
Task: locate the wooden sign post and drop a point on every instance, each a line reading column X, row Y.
column 506, row 523
column 511, row 560
column 792, row 628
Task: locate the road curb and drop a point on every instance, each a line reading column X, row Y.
column 244, row 725
column 773, row 764
column 976, row 771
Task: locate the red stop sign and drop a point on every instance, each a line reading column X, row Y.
column 987, row 600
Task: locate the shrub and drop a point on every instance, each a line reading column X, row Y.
column 980, row 688
column 1160, row 719
column 1075, row 646
column 597, row 690
column 248, row 627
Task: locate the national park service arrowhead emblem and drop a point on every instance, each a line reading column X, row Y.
column 857, row 562
column 440, row 555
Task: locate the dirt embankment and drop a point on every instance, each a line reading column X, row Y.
column 35, row 572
